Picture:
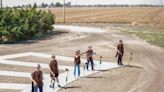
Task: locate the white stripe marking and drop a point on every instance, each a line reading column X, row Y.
column 27, row 88
column 29, row 64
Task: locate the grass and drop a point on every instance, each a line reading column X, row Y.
column 155, row 37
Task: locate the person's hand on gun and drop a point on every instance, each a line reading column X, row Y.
column 116, row 54
column 35, row 83
column 53, row 74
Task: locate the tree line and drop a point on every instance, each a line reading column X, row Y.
column 44, row 5
column 68, row 4
column 117, row 5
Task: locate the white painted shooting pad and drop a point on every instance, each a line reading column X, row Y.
column 62, row 77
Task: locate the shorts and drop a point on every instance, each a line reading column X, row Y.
column 56, row 75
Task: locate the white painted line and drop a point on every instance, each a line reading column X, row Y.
column 27, row 88
column 63, row 58
column 29, row 64
column 15, row 55
column 43, row 55
column 18, row 74
column 12, row 86
column 71, row 78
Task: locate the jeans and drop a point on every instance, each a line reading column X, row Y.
column 119, row 61
column 40, row 88
column 92, row 64
column 78, row 67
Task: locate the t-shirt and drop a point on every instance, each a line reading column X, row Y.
column 120, row 47
column 77, row 60
column 89, row 55
column 38, row 77
column 54, row 67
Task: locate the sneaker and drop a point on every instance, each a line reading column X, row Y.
column 59, row 85
column 51, row 86
column 122, row 64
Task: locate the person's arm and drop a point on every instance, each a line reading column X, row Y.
column 118, row 51
column 85, row 52
column 80, row 54
column 93, row 53
column 35, row 83
column 41, row 75
column 51, row 70
column 116, row 54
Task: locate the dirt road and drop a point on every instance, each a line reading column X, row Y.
column 146, row 73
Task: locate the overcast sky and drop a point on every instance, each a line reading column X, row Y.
column 83, row 2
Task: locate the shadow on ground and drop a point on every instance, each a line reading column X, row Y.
column 35, row 39
column 47, row 36
column 71, row 87
column 92, row 77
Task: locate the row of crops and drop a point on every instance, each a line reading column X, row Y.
column 20, row 24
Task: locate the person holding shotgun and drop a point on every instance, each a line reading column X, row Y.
column 54, row 72
column 77, row 62
column 90, row 53
column 37, row 80
column 120, row 53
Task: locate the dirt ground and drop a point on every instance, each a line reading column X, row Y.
column 6, row 90
column 145, row 73
column 8, row 79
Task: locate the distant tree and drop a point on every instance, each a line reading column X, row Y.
column 28, row 6
column 68, row 4
column 43, row 5
column 35, row 5
column 19, row 6
column 58, row 4
column 52, row 4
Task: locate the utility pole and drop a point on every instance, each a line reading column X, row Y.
column 1, row 4
column 64, row 11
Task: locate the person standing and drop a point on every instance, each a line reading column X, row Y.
column 54, row 72
column 37, row 79
column 77, row 62
column 32, row 84
column 120, row 53
column 90, row 53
